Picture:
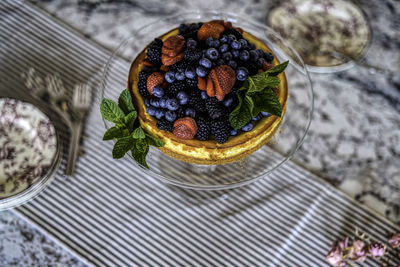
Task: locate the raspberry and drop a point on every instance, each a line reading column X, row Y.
column 221, row 130
column 142, row 84
column 192, row 54
column 154, row 51
column 191, row 83
column 237, row 34
column 204, row 129
column 196, row 101
column 214, row 108
column 176, row 87
column 165, row 125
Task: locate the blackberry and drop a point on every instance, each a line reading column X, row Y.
column 237, row 34
column 176, row 87
column 203, row 133
column 154, row 51
column 252, row 68
column 180, row 113
column 142, row 84
column 214, row 108
column 180, row 66
column 192, row 54
column 165, row 125
column 221, row 130
column 196, row 102
column 191, row 83
column 189, row 30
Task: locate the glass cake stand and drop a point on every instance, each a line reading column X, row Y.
column 268, row 158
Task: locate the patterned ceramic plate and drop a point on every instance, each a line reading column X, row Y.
column 328, row 34
column 29, row 152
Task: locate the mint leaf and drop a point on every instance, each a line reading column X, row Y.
column 130, row 119
column 122, row 146
column 125, row 102
column 242, row 113
column 262, row 81
column 277, row 69
column 138, row 133
column 154, row 141
column 266, row 101
column 140, row 156
column 110, row 111
column 113, row 132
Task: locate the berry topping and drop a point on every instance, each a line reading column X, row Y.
column 224, row 39
column 244, row 55
column 266, row 66
column 201, row 83
column 158, row 91
column 190, row 73
column 232, row 64
column 236, row 44
column 212, row 53
column 185, row 128
column 182, row 97
column 173, row 45
column 234, row 32
column 203, row 133
column 170, row 116
column 192, row 54
column 154, row 79
column 253, row 55
column 168, row 61
column 154, row 51
column 164, row 124
column 172, row 104
column 260, row 62
column 191, row 43
column 228, row 101
column 268, row 57
column 159, row 113
column 163, row 102
column 196, row 101
column 214, row 108
column 248, row 127
column 227, row 56
column 210, row 29
column 205, row 62
column 257, row 118
column 201, row 71
column 155, row 102
column 265, row 114
column 176, row 87
column 221, row 130
column 190, row 112
column 203, row 95
column 223, row 48
column 242, row 73
column 142, row 84
column 151, row 111
column 180, row 75
column 170, row 76
column 191, row 83
column 234, row 132
column 223, row 79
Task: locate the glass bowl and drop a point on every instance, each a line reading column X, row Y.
column 277, row 151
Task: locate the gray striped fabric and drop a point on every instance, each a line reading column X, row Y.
column 113, row 214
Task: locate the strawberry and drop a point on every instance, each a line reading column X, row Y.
column 210, row 29
column 224, row 78
column 185, row 128
column 154, row 79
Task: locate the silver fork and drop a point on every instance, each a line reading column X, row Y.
column 80, row 104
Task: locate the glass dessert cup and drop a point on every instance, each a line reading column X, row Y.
column 278, row 150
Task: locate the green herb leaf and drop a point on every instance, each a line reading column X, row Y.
column 125, row 102
column 138, row 133
column 140, row 156
column 110, row 111
column 112, row 133
column 130, row 120
column 267, row 101
column 277, row 69
column 262, row 81
column 154, row 141
column 122, row 146
column 242, row 113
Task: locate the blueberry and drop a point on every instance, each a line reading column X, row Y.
column 215, row 43
column 180, row 75
column 224, row 39
column 234, row 132
column 227, row 56
column 228, row 101
column 170, row 115
column 158, row 91
column 260, row 62
column 236, row 45
column 260, row 52
column 265, row 114
column 203, row 95
column 172, row 104
column 243, row 43
column 268, row 57
column 163, row 102
column 201, row 71
column 252, row 46
column 191, row 43
column 170, row 76
column 155, row 102
column 183, row 98
column 190, row 72
column 190, row 112
column 231, row 38
column 232, row 64
column 244, row 55
column 212, row 53
column 253, row 55
column 205, row 62
column 242, row 73
column 220, row 62
column 235, row 53
column 151, row 111
column 223, row 48
column 209, row 41
column 248, row 127
column 257, row 118
column 160, row 113
column 147, row 102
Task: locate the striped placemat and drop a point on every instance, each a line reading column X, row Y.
column 113, row 214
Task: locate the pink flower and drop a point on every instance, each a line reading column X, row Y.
column 377, row 249
column 335, row 255
column 394, row 241
column 358, row 251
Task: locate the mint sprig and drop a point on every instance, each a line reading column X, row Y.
column 127, row 131
column 256, row 95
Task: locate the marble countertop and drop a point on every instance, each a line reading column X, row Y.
column 354, row 139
